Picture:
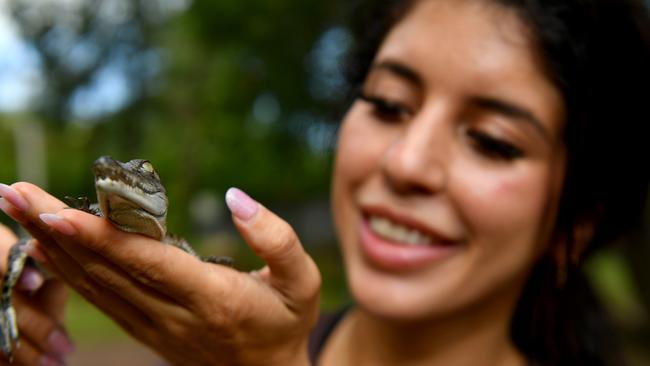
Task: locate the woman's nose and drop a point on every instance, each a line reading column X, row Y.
column 417, row 161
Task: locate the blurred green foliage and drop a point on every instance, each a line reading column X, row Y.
column 194, row 118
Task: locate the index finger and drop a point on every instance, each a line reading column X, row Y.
column 24, row 202
column 292, row 271
column 155, row 264
column 152, row 263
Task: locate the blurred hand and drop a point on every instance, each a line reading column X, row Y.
column 189, row 311
column 39, row 305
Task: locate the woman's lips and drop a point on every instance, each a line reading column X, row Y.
column 387, row 254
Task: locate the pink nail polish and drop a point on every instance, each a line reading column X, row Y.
column 58, row 223
column 12, row 211
column 4, row 205
column 60, row 343
column 13, row 197
column 240, row 204
column 31, row 280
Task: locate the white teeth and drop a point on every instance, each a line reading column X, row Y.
column 398, row 233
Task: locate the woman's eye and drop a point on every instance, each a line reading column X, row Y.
column 494, row 148
column 385, row 109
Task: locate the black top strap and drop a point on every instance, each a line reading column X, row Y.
column 321, row 332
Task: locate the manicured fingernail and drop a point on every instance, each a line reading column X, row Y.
column 48, row 360
column 240, row 204
column 31, row 279
column 13, row 197
column 32, row 250
column 58, row 223
column 60, row 343
column 4, row 205
column 11, row 211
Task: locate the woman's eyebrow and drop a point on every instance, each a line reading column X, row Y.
column 499, row 106
column 399, row 69
column 513, row 111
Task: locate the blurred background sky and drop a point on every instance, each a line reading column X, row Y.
column 215, row 94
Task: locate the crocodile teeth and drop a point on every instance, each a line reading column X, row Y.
column 398, row 233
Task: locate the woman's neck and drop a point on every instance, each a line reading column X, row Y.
column 474, row 337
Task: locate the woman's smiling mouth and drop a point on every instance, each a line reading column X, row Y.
column 394, row 245
column 395, row 232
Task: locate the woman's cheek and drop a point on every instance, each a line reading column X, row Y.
column 505, row 204
column 349, row 161
column 357, row 154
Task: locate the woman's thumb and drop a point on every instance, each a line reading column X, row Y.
column 293, row 272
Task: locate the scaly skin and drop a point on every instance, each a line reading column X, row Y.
column 131, row 196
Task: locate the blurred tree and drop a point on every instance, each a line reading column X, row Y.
column 84, row 46
column 236, row 95
column 214, row 93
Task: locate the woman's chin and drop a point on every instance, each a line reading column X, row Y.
column 397, row 298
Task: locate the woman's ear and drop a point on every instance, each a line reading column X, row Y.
column 573, row 243
column 570, row 247
column 583, row 233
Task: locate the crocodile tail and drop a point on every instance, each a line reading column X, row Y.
column 8, row 326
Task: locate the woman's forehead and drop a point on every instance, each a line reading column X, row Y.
column 474, row 49
column 481, row 32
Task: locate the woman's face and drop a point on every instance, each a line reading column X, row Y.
column 450, row 166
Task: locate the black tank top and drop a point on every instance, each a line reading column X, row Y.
column 321, row 332
column 323, row 329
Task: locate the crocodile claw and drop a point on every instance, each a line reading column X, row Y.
column 224, row 261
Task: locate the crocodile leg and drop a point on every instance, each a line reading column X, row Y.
column 224, row 261
column 181, row 243
column 8, row 327
column 83, row 204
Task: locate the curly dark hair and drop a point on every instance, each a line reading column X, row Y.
column 597, row 53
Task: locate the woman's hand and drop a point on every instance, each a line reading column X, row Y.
column 39, row 305
column 189, row 311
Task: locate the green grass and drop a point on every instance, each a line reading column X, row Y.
column 87, row 325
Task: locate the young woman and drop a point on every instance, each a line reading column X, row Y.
column 492, row 146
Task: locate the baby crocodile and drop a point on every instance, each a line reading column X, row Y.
column 131, row 196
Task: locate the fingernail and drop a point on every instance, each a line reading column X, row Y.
column 240, row 204
column 58, row 223
column 31, row 279
column 48, row 360
column 60, row 343
column 13, row 197
column 11, row 211
column 32, row 250
column 5, row 205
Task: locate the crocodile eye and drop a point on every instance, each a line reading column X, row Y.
column 147, row 167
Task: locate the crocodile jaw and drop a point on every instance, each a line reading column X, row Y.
column 131, row 209
column 153, row 203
